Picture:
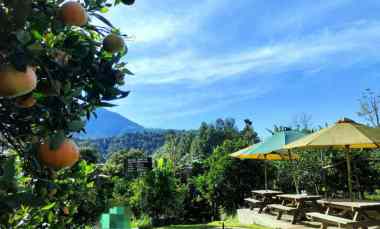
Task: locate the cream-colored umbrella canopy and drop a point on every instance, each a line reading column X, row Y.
column 345, row 134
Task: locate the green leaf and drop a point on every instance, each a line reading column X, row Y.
column 126, row 71
column 51, row 216
column 36, row 35
column 105, row 104
column 76, row 125
column 88, row 169
column 48, row 207
column 102, row 19
column 56, row 140
column 90, row 184
column 104, row 10
column 38, row 96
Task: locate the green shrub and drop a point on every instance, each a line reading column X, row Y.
column 157, row 194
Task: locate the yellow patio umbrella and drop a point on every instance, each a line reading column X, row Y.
column 271, row 149
column 345, row 134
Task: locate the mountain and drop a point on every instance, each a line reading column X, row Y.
column 109, row 124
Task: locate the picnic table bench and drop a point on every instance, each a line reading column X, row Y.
column 253, row 203
column 281, row 209
column 266, row 197
column 358, row 210
column 299, row 208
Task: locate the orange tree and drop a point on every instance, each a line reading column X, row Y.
column 59, row 61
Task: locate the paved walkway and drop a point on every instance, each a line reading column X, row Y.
column 247, row 216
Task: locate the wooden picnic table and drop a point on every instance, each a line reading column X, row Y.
column 301, row 202
column 266, row 193
column 266, row 196
column 358, row 211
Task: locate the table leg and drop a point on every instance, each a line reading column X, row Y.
column 279, row 215
column 356, row 216
column 327, row 211
column 298, row 212
column 263, row 207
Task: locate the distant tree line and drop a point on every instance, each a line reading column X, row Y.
column 149, row 142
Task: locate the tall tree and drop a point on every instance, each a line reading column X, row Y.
column 249, row 134
column 302, row 122
column 115, row 164
column 369, row 107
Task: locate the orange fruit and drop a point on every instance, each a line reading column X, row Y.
column 14, row 83
column 73, row 13
column 26, row 101
column 66, row 211
column 66, row 155
column 113, row 43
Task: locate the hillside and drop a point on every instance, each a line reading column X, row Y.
column 146, row 141
column 109, row 124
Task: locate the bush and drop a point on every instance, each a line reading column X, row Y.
column 158, row 194
column 228, row 181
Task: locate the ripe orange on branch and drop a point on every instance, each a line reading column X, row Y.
column 15, row 83
column 66, row 155
column 26, row 101
column 66, row 211
column 73, row 13
column 113, row 43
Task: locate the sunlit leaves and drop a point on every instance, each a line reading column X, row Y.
column 48, row 207
column 75, row 76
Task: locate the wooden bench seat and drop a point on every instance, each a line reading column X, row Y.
column 281, row 209
column 254, row 203
column 331, row 220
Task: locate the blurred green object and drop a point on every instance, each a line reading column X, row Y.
column 116, row 218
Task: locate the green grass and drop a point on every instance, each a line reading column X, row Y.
column 374, row 197
column 230, row 222
column 200, row 226
column 211, row 225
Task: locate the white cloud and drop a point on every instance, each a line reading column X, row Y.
column 191, row 102
column 298, row 15
column 162, row 22
column 331, row 47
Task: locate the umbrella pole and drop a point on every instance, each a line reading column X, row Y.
column 348, row 160
column 266, row 175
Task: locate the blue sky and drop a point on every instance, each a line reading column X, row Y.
column 265, row 60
